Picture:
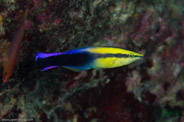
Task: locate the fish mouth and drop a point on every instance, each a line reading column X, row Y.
column 141, row 55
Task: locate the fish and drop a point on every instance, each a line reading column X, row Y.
column 87, row 58
column 13, row 51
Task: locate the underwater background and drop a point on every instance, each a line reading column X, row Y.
column 148, row 90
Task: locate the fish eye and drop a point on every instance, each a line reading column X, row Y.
column 130, row 55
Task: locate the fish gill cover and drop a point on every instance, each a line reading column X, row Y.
column 148, row 90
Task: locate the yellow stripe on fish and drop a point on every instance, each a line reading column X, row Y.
column 111, row 62
column 112, row 50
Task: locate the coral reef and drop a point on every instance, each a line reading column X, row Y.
column 149, row 90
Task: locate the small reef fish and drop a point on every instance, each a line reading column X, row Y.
column 87, row 58
column 13, row 52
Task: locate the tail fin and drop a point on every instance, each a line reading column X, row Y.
column 46, row 61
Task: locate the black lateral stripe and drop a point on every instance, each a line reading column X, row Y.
column 118, row 55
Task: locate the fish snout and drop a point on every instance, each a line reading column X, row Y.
column 5, row 77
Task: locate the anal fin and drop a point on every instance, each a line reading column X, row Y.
column 47, row 68
column 75, row 69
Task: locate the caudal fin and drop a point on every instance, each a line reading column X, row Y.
column 47, row 61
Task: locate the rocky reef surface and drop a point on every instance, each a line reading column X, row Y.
column 148, row 90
